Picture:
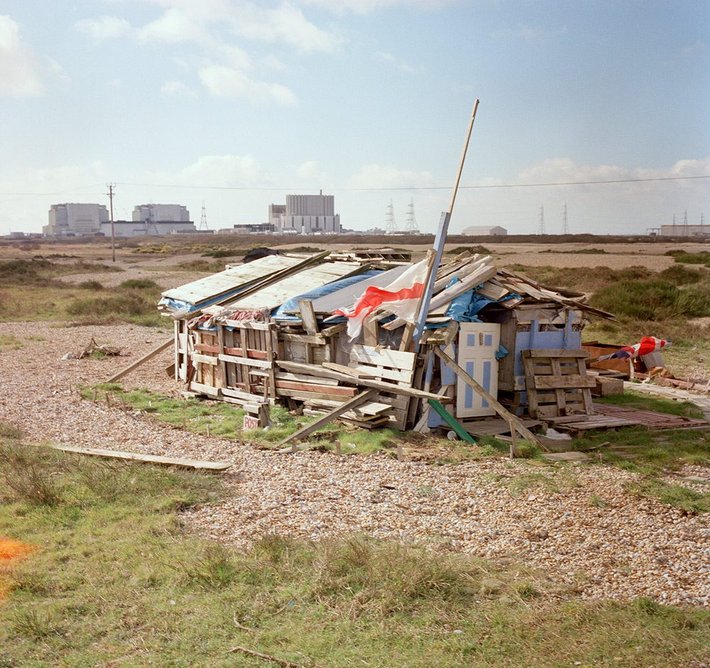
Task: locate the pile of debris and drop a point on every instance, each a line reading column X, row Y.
column 265, row 332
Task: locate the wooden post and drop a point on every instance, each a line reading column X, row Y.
column 140, row 361
column 497, row 406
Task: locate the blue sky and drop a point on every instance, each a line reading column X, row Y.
column 235, row 104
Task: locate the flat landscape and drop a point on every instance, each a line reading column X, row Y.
column 491, row 562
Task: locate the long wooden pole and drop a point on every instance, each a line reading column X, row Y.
column 440, row 240
column 139, row 361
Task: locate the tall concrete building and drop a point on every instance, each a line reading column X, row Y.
column 684, row 230
column 305, row 214
column 161, row 213
column 75, row 219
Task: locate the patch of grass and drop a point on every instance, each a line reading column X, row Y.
column 585, row 281
column 679, row 274
column 645, row 402
column 90, row 285
column 117, row 581
column 139, row 284
column 683, row 257
column 10, row 342
column 225, row 420
column 550, row 482
column 651, row 299
column 202, row 266
column 651, row 452
column 687, row 500
column 473, row 248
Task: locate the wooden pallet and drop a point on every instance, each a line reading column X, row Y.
column 557, row 383
column 388, row 366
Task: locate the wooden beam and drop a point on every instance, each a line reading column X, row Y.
column 336, row 412
column 308, row 316
column 313, row 370
column 451, row 421
column 497, row 406
column 134, row 365
column 146, row 459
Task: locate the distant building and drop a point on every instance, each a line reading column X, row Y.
column 134, row 228
column 685, row 230
column 305, row 214
column 159, row 213
column 75, row 220
column 485, row 231
column 251, row 228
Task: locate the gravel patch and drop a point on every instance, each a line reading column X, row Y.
column 577, row 522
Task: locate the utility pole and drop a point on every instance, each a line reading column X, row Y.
column 203, row 218
column 110, row 187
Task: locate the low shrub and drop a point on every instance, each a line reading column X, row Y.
column 653, row 299
column 90, row 285
column 131, row 304
column 139, row 284
column 681, row 275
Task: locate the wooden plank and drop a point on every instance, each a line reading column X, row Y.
column 361, row 372
column 247, row 324
column 308, row 316
column 142, row 360
column 312, row 339
column 242, row 396
column 499, row 408
column 195, row 464
column 201, row 388
column 204, row 359
column 382, row 372
column 335, row 391
column 245, row 361
column 365, row 382
column 555, row 352
column 394, row 359
column 309, row 429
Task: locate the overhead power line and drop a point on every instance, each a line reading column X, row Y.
column 549, row 184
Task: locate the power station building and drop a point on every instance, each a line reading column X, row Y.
column 75, row 219
column 685, row 230
column 161, row 213
column 305, row 214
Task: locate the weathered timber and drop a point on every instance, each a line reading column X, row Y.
column 365, row 382
column 147, row 459
column 148, row 356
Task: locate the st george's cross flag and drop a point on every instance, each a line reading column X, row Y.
column 647, row 345
column 399, row 297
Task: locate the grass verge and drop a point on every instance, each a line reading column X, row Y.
column 115, row 580
column 225, row 420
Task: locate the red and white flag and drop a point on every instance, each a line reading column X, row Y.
column 399, row 297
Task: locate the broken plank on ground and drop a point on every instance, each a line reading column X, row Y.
column 146, row 459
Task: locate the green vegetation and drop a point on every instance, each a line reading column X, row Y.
column 683, row 257
column 116, row 581
column 473, row 248
column 645, row 402
column 9, row 342
column 687, row 500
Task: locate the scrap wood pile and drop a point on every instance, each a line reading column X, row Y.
column 274, row 330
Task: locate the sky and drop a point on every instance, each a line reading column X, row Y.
column 597, row 107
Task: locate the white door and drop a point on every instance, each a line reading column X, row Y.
column 478, row 343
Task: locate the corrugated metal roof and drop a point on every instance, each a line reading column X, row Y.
column 226, row 281
column 276, row 294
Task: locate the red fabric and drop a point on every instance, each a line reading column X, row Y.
column 373, row 297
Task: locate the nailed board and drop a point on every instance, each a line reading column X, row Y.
column 557, row 383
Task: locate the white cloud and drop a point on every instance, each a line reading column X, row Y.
column 104, row 28
column 220, row 171
column 176, row 25
column 384, row 176
column 396, row 62
column 20, row 70
column 310, row 170
column 229, row 82
column 285, row 24
column 177, row 88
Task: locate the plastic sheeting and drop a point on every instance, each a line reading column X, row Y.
column 285, row 311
